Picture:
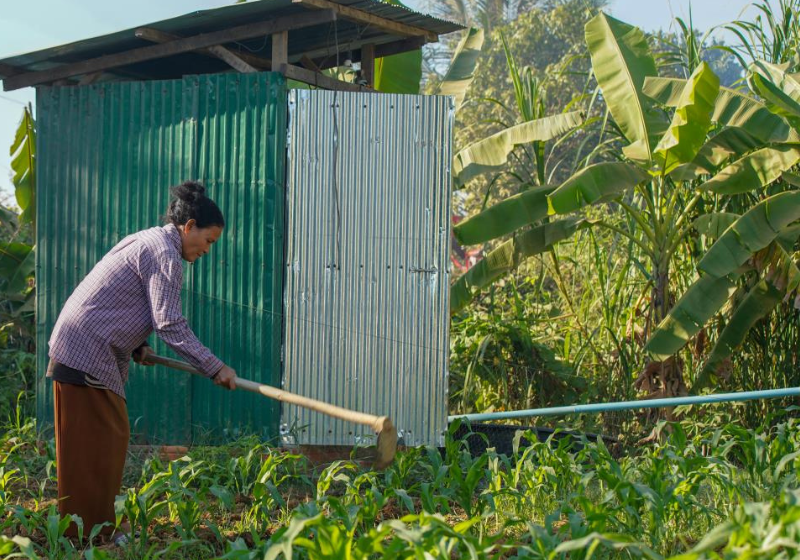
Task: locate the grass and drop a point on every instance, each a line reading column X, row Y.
column 711, row 490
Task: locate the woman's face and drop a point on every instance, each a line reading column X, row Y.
column 196, row 240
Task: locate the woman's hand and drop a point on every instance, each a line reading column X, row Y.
column 226, row 377
column 141, row 354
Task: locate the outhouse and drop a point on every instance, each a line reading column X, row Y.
column 331, row 279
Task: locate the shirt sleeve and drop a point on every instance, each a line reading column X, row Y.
column 163, row 280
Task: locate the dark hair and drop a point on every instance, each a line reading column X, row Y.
column 189, row 202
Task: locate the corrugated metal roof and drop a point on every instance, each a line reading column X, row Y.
column 346, row 34
column 367, row 268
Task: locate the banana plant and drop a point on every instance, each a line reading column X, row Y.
column 751, row 267
column 17, row 258
column 641, row 183
column 689, row 144
column 523, row 214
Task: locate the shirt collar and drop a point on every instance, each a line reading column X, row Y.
column 174, row 236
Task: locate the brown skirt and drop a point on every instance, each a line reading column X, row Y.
column 92, row 433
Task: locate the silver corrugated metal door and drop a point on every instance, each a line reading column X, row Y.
column 367, row 278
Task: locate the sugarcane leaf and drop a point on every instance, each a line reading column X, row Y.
column 691, row 120
column 704, row 298
column 461, row 71
column 504, row 217
column 757, row 304
column 597, row 183
column 491, row 154
column 757, row 228
column 508, row 256
column 753, row 171
column 621, row 61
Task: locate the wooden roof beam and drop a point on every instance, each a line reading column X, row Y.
column 360, row 16
column 243, row 62
column 177, row 46
column 7, row 70
column 328, row 60
column 320, row 80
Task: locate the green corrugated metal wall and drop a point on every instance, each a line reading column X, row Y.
column 107, row 156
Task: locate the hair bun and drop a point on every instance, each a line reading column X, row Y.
column 189, row 191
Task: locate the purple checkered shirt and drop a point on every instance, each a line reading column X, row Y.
column 134, row 290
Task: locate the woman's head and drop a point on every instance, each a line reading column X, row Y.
column 197, row 218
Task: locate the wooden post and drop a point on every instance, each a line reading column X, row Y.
column 368, row 64
column 243, row 62
column 280, row 50
column 316, row 79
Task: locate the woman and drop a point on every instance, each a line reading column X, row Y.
column 134, row 290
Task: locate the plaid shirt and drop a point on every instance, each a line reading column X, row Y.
column 134, row 290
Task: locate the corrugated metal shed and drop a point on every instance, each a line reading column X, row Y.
column 319, row 40
column 107, row 156
column 366, row 296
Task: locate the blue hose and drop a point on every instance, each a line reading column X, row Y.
column 630, row 405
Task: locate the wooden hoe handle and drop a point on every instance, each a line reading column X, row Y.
column 377, row 423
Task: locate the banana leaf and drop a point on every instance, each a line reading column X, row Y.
column 621, row 61
column 691, row 121
column 754, row 170
column 714, row 224
column 399, row 73
column 694, row 309
column 665, row 91
column 756, row 229
column 491, row 154
column 508, row 256
column 23, row 164
column 777, row 100
column 732, row 108
column 788, row 237
column 791, row 178
column 17, row 265
column 504, row 217
column 597, row 183
column 728, row 142
column 461, row 71
column 757, row 304
column 777, row 75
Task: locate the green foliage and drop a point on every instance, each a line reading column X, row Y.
column 698, row 491
column 493, row 152
column 17, row 263
column 461, row 72
column 621, row 61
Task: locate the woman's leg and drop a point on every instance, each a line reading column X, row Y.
column 92, row 434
